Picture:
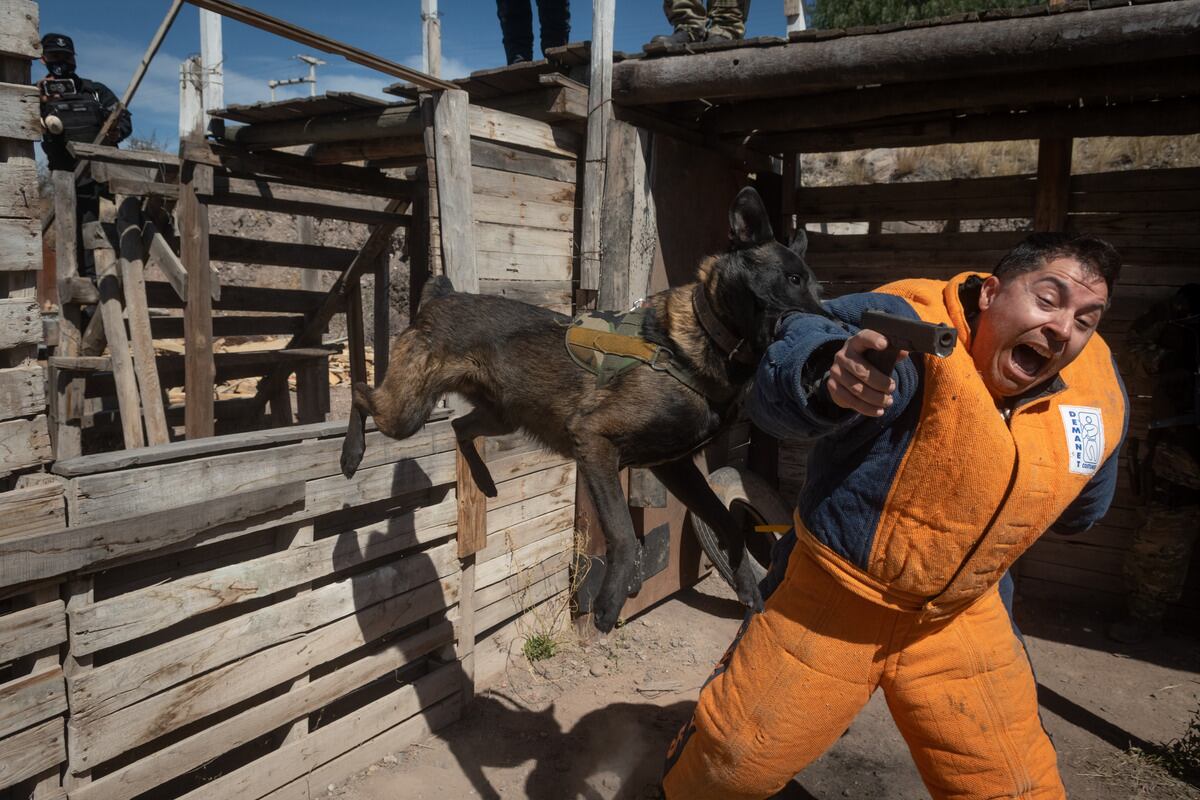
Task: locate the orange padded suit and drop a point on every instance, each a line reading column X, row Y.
column 903, row 530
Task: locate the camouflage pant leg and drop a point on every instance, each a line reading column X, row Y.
column 686, row 15
column 1157, row 563
column 728, row 17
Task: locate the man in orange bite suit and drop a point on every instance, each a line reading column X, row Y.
column 924, row 486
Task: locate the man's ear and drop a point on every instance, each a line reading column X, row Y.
column 988, row 292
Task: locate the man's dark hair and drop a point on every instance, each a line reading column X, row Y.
column 1096, row 255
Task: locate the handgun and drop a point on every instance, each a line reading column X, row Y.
column 908, row 334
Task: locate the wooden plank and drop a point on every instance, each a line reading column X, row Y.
column 193, row 234
column 395, row 740
column 86, row 546
column 111, row 308
column 128, row 616
column 31, row 752
column 20, row 244
column 19, row 29
column 559, row 515
column 133, row 280
column 518, row 211
column 552, row 104
column 213, row 740
column 472, row 505
column 280, row 254
column 24, row 443
column 519, row 559
column 379, row 483
column 22, row 391
column 520, row 581
column 30, row 699
column 284, row 199
column 532, row 485
column 19, row 112
column 161, row 294
column 381, row 336
column 163, row 254
column 227, row 325
column 515, row 187
column 454, row 177
column 18, row 176
column 296, row 170
column 107, row 718
column 296, row 760
column 1054, row 180
column 493, row 155
column 20, row 322
column 167, row 164
column 32, row 509
column 518, row 602
column 32, row 629
column 505, row 128
column 551, row 294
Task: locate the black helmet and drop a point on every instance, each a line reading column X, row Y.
column 57, row 43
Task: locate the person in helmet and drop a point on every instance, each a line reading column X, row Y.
column 73, row 108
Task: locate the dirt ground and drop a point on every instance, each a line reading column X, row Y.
column 594, row 721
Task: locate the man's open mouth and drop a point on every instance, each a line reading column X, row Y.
column 1030, row 359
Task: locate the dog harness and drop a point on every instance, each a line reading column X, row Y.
column 609, row 344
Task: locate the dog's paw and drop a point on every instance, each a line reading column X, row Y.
column 747, row 587
column 350, row 461
column 606, row 611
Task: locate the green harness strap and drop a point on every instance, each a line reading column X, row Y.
column 608, row 344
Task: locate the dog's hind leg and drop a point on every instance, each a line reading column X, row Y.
column 599, row 464
column 355, row 444
column 685, row 480
column 480, row 421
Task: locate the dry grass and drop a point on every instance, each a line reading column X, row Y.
column 1137, row 775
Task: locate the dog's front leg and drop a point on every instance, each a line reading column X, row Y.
column 480, row 421
column 685, row 480
column 355, row 444
column 599, row 464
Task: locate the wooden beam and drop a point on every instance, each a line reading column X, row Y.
column 198, row 344
column 382, row 335
column 873, row 105
column 112, row 309
column 66, row 401
column 40, row 555
column 133, row 280
column 1103, row 36
column 1134, row 119
column 279, row 27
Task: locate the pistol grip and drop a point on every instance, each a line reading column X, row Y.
column 883, row 360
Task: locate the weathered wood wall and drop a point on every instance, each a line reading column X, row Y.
column 32, row 621
column 244, row 622
column 1149, row 215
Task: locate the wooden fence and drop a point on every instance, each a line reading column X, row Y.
column 248, row 623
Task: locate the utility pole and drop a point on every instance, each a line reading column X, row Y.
column 311, row 80
column 212, row 62
column 431, row 40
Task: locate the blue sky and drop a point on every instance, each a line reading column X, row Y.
column 111, row 35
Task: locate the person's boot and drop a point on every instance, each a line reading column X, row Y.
column 680, row 36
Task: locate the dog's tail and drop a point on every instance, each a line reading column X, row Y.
column 437, row 286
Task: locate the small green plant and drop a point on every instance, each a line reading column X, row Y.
column 1181, row 757
column 539, row 647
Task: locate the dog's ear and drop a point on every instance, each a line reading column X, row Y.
column 748, row 223
column 799, row 244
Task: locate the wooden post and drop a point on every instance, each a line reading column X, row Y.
column 199, row 368
column 382, row 334
column 1053, row 184
column 472, row 537
column 79, row 592
column 312, row 390
column 791, row 183
column 66, row 401
column 599, row 116
column 290, row 538
column 48, row 784
column 114, row 327
column 452, row 158
column 134, row 281
column 629, row 237
column 431, row 39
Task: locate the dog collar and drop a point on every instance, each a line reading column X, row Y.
column 734, row 347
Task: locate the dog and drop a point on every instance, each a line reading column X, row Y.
column 510, row 361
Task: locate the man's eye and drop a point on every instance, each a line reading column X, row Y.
column 1085, row 324
column 1045, row 301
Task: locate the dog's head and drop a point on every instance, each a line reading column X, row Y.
column 759, row 279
